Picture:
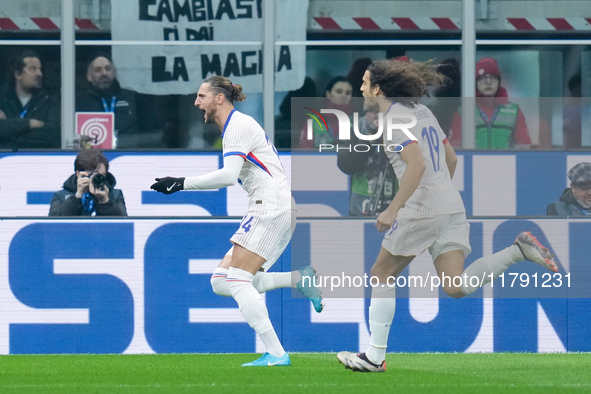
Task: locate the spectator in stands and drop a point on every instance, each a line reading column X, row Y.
column 29, row 115
column 284, row 124
column 575, row 200
column 572, row 114
column 500, row 124
column 104, row 93
column 90, row 191
column 338, row 96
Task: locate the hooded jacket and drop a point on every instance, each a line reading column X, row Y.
column 16, row 133
column 567, row 206
column 65, row 203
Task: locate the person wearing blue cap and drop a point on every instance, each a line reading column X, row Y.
column 575, row 200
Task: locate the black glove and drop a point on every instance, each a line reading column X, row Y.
column 168, row 185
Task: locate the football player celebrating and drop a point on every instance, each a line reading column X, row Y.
column 250, row 158
column 427, row 212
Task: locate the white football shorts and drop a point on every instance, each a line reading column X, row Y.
column 442, row 233
column 266, row 233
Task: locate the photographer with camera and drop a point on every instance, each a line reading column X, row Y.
column 90, row 191
column 372, row 183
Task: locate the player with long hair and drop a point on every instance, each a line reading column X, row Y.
column 427, row 212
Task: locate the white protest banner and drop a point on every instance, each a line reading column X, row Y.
column 180, row 69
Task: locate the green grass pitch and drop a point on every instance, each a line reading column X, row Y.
column 309, row 373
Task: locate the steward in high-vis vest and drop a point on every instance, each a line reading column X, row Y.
column 499, row 123
column 498, row 131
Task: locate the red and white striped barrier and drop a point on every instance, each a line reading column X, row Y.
column 425, row 23
column 384, row 23
column 347, row 23
column 43, row 24
column 562, row 24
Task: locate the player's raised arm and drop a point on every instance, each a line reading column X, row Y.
column 224, row 177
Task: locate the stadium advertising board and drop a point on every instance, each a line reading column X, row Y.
column 142, row 286
column 499, row 184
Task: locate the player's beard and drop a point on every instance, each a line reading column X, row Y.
column 371, row 104
column 209, row 115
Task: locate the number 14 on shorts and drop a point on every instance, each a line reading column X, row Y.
column 246, row 223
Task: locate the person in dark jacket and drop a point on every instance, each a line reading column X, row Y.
column 29, row 115
column 105, row 94
column 90, row 191
column 372, row 182
column 575, row 200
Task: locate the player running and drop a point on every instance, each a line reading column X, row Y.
column 251, row 159
column 427, row 211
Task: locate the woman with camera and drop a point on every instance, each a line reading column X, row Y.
column 90, row 191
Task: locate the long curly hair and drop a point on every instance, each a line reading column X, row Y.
column 406, row 81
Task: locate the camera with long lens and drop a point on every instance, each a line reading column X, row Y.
column 98, row 180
